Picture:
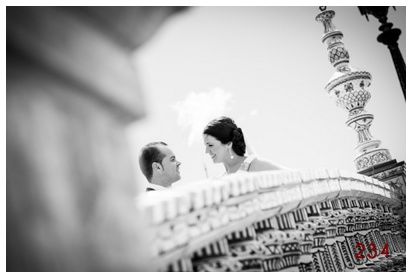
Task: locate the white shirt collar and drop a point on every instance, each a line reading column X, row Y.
column 156, row 187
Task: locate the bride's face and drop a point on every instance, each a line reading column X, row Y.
column 218, row 152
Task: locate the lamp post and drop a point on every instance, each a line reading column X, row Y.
column 388, row 37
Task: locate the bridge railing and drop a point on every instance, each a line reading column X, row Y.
column 306, row 220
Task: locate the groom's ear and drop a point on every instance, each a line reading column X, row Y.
column 156, row 166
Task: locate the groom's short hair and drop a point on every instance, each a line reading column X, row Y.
column 150, row 153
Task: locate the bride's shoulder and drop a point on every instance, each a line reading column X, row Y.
column 263, row 165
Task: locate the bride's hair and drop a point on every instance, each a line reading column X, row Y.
column 225, row 130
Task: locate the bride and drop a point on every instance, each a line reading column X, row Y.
column 225, row 144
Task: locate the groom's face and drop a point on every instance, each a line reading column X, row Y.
column 171, row 166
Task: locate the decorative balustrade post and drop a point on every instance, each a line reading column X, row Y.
column 350, row 87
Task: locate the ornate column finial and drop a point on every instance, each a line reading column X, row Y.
column 349, row 86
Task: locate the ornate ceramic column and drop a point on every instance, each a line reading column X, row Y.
column 350, row 86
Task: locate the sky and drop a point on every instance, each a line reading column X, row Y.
column 265, row 67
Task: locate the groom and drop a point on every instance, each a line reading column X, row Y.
column 159, row 165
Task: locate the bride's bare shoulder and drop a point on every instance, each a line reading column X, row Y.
column 264, row 165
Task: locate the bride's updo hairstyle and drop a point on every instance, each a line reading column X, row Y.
column 225, row 130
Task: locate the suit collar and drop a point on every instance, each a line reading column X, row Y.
column 156, row 187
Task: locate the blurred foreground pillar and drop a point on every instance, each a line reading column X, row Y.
column 71, row 91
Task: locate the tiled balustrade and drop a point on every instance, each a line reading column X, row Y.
column 306, row 220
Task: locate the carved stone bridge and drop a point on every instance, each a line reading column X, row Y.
column 311, row 220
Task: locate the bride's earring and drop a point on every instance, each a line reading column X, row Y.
column 230, row 154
